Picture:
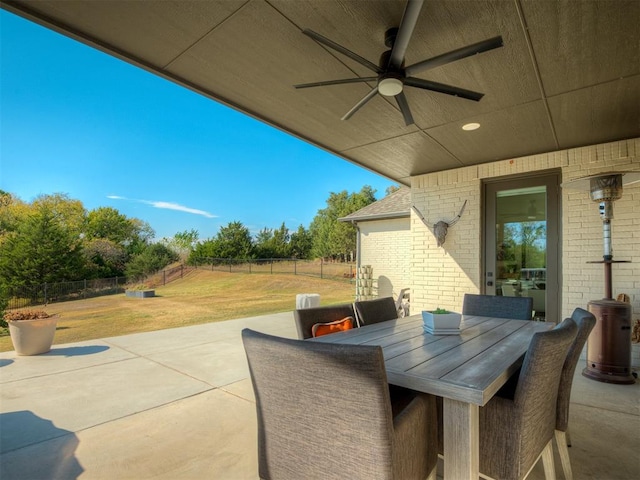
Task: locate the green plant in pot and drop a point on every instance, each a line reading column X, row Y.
column 31, row 331
column 441, row 319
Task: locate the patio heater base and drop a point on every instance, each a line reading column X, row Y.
column 609, row 345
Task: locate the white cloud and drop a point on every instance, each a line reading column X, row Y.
column 180, row 208
column 167, row 205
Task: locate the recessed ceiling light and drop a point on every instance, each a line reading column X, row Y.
column 471, row 126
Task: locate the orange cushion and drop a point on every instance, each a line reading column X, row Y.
column 320, row 329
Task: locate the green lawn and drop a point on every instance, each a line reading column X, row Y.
column 201, row 297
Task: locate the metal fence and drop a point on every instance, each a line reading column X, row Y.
column 46, row 293
column 317, row 268
column 20, row 297
column 167, row 275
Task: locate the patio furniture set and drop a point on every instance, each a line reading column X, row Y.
column 366, row 394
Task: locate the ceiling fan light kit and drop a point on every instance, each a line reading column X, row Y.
column 392, row 76
column 390, row 86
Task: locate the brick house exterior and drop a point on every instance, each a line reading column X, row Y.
column 441, row 276
column 403, row 252
column 384, row 241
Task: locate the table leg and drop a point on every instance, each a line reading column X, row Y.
column 461, row 440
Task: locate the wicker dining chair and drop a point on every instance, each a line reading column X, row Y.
column 585, row 321
column 376, row 310
column 518, row 308
column 516, row 432
column 306, row 318
column 324, row 412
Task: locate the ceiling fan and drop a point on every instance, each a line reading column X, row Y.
column 392, row 75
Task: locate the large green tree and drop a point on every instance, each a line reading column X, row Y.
column 203, row 250
column 12, row 210
column 41, row 250
column 234, row 241
column 332, row 238
column 70, row 214
column 231, row 241
column 273, row 243
column 109, row 224
column 111, row 240
column 153, row 258
column 104, row 258
column 301, row 243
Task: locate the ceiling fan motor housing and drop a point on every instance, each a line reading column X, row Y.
column 390, row 37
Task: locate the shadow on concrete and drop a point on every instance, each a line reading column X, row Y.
column 27, row 454
column 76, row 351
column 5, row 361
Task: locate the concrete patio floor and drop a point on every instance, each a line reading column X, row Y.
column 178, row 404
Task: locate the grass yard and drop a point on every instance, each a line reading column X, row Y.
column 200, row 297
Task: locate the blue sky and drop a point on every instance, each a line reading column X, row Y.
column 74, row 120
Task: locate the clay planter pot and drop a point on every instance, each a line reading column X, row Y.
column 33, row 337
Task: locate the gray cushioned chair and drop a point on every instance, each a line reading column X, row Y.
column 585, row 321
column 324, row 412
column 515, row 433
column 518, row 308
column 306, row 318
column 375, row 311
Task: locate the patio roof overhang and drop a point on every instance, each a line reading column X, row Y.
column 567, row 76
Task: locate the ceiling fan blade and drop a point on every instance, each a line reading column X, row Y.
column 404, row 108
column 469, row 50
column 442, row 88
column 339, row 48
column 407, row 24
column 360, row 104
column 336, row 82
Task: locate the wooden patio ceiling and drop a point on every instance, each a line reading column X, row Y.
column 567, row 76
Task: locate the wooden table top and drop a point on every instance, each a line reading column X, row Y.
column 469, row 367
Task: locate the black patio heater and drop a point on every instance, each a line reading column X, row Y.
column 609, row 345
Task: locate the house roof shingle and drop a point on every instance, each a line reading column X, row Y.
column 395, row 205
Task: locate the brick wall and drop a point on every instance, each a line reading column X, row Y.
column 441, row 276
column 385, row 245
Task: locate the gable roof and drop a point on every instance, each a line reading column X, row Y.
column 395, row 205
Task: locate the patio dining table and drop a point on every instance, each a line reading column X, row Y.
column 465, row 369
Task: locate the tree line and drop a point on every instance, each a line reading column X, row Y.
column 54, row 239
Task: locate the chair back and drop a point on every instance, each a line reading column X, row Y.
column 537, row 389
column 323, row 409
column 539, row 299
column 306, row 318
column 518, row 308
column 585, row 321
column 375, row 311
